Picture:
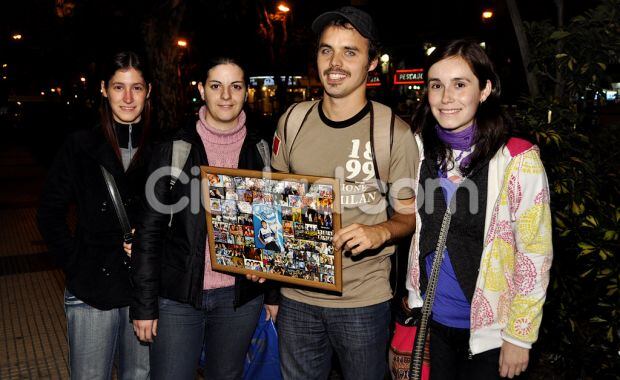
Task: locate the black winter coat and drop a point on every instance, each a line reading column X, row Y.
column 168, row 253
column 92, row 258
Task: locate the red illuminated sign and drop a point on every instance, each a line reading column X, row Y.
column 409, row 76
column 374, row 80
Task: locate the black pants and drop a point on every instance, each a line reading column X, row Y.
column 450, row 357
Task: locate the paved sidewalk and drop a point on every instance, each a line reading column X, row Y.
column 32, row 322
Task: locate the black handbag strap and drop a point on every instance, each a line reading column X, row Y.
column 417, row 354
column 117, row 201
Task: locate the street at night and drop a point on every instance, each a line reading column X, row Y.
column 532, row 278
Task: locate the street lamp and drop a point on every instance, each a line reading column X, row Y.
column 182, row 42
column 385, row 62
column 281, row 12
column 17, row 36
column 487, row 14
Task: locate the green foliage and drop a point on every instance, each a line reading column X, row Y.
column 580, row 336
column 577, row 55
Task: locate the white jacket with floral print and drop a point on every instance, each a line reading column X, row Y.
column 517, row 251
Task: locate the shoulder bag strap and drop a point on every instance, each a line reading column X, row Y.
column 117, row 201
column 417, row 354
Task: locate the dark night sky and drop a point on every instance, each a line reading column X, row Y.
column 56, row 50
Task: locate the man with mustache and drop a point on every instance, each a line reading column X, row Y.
column 335, row 140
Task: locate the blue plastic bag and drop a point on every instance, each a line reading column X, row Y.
column 262, row 362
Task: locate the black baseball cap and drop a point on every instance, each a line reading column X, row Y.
column 355, row 16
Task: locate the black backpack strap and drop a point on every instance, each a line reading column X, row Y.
column 381, row 140
column 294, row 121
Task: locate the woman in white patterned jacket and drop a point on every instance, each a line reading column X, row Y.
column 495, row 269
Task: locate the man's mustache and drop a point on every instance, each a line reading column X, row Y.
column 336, row 71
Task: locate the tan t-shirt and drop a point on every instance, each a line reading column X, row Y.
column 342, row 150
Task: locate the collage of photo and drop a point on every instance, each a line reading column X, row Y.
column 273, row 226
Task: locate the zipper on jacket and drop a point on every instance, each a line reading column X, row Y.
column 470, row 356
column 130, row 143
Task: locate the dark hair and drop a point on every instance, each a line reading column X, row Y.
column 223, row 60
column 124, row 60
column 374, row 46
column 494, row 126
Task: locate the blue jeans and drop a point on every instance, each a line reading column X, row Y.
column 308, row 336
column 225, row 331
column 97, row 336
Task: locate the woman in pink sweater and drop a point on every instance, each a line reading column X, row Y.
column 179, row 300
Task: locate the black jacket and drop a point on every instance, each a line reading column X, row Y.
column 466, row 233
column 92, row 257
column 169, row 252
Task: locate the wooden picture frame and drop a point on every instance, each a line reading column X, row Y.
column 273, row 225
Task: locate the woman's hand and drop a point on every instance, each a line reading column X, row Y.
column 145, row 329
column 127, row 246
column 512, row 360
column 255, row 278
column 127, row 249
column 271, row 311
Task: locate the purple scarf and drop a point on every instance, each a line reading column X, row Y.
column 462, row 141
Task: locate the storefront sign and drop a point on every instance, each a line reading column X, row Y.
column 374, row 80
column 409, row 76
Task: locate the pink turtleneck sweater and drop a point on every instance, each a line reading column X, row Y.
column 223, row 148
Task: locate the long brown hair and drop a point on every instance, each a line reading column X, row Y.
column 124, row 60
column 494, row 126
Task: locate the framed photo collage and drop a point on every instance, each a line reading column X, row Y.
column 278, row 226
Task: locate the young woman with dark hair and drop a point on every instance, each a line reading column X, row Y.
column 98, row 288
column 495, row 269
column 180, row 302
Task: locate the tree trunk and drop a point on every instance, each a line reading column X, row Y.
column 524, row 48
column 160, row 31
column 559, row 84
column 266, row 30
